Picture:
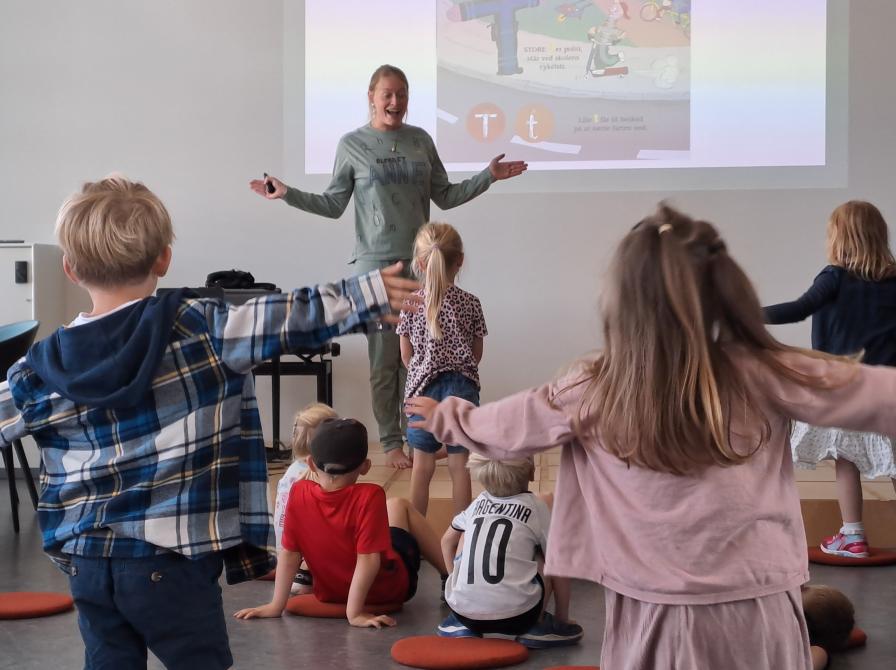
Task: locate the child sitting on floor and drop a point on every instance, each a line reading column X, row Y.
column 496, row 585
column 830, row 618
column 361, row 548
column 307, row 420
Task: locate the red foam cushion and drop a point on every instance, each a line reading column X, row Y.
column 432, row 652
column 30, row 604
column 268, row 577
column 877, row 557
column 857, row 638
column 308, row 605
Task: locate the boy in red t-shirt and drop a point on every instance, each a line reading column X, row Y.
column 360, row 547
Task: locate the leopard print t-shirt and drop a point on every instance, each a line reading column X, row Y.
column 461, row 321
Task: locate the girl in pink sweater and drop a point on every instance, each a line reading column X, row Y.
column 676, row 489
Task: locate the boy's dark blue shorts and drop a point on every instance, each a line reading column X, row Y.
column 405, row 545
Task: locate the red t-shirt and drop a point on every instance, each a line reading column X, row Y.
column 330, row 529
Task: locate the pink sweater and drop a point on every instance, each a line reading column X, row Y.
column 725, row 534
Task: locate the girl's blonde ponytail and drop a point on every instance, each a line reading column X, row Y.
column 437, row 249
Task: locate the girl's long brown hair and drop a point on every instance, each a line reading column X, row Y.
column 660, row 394
column 858, row 241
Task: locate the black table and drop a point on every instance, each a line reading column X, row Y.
column 317, row 362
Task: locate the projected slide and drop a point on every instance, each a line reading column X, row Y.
column 585, row 81
column 578, row 85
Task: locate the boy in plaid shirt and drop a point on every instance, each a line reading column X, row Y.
column 153, row 470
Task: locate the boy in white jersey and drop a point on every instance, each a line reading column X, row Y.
column 496, row 547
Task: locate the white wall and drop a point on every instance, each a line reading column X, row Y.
column 186, row 96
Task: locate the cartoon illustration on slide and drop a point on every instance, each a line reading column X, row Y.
column 572, row 10
column 601, row 60
column 579, row 83
column 504, row 26
column 678, row 10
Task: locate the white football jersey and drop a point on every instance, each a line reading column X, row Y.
column 494, row 575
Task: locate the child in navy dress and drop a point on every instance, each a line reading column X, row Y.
column 853, row 307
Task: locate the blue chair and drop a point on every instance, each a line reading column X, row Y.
column 15, row 339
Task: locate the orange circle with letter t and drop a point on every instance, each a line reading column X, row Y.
column 535, row 123
column 486, row 122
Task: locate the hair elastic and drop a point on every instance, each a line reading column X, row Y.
column 665, row 228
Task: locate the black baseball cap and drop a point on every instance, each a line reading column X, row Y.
column 339, row 446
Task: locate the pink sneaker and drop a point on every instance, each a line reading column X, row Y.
column 849, row 546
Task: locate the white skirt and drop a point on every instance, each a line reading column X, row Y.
column 874, row 455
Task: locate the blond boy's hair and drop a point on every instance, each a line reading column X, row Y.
column 113, row 231
column 306, row 422
column 502, row 478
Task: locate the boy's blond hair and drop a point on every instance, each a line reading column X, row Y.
column 502, row 479
column 307, row 420
column 113, row 231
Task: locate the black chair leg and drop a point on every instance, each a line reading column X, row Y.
column 13, row 494
column 26, row 470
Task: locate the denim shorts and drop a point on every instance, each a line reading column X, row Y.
column 444, row 385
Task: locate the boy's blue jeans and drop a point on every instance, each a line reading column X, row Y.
column 166, row 603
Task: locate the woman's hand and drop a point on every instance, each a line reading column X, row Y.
column 422, row 406
column 260, row 186
column 502, row 169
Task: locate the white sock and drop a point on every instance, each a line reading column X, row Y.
column 857, row 528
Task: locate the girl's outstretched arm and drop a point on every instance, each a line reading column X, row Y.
column 519, row 425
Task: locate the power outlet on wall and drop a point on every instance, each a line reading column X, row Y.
column 21, row 272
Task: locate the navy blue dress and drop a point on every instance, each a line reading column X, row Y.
column 849, row 315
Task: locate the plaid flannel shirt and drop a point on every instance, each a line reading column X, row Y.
column 185, row 471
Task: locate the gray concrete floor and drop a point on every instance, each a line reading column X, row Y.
column 291, row 642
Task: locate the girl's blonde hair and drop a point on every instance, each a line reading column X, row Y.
column 858, row 241
column 659, row 395
column 502, row 478
column 437, row 249
column 306, row 422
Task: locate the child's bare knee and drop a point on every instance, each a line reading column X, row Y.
column 396, row 506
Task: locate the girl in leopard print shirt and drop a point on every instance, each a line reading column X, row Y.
column 441, row 345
